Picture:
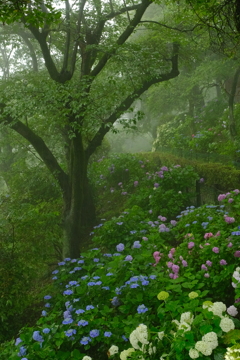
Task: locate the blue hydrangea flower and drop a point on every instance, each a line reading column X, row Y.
column 61, row 263
column 37, row 337
column 109, row 274
column 133, row 232
column 80, row 261
column 82, row 323
column 133, row 286
column 47, row 305
column 124, row 338
column 96, row 260
column 136, row 245
column 67, row 321
column 96, row 277
column 106, row 287
column 72, row 283
column 44, row 313
column 89, row 307
column 67, row 314
column 18, row 341
column 142, row 309
column 85, row 340
column 98, row 283
column 116, row 254
column 120, row 247
column 145, row 282
column 77, row 268
column 22, row 351
column 107, row 334
column 55, row 272
column 94, row 333
column 79, row 311
column 54, row 278
column 67, row 259
column 67, row 292
column 70, row 332
column 46, row 330
column 76, row 300
column 115, row 301
column 107, row 255
column 91, row 283
column 128, row 258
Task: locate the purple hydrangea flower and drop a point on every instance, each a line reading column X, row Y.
column 237, row 253
column 184, row 263
column 120, row 247
column 191, row 244
column 128, row 258
column 203, row 267
column 223, row 262
column 215, row 250
column 209, row 263
column 136, row 245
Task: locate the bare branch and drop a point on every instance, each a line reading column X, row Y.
column 170, row 27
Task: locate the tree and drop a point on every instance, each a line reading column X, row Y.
column 95, row 72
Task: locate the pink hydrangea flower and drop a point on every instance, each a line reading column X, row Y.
column 230, row 244
column 184, row 263
column 237, row 253
column 191, row 244
column 171, row 275
column 221, row 197
column 229, row 220
column 209, row 263
column 135, row 183
column 208, row 235
column 215, row 250
column 145, row 238
column 203, row 267
column 172, row 251
column 169, row 264
column 230, row 200
column 207, row 275
column 175, row 269
column 236, row 191
column 173, row 222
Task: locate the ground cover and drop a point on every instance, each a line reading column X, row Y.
column 156, row 284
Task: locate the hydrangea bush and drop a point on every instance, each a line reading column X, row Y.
column 154, row 287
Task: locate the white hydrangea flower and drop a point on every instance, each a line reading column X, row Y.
column 217, row 308
column 212, row 339
column 232, row 310
column 125, row 353
column 134, row 340
column 113, row 350
column 193, row 353
column 151, row 349
column 86, row 358
column 227, row 324
column 186, row 317
column 234, row 285
column 142, row 334
column 184, row 326
column 203, row 347
column 160, row 335
column 236, row 275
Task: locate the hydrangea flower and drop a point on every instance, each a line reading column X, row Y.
column 85, row 340
column 94, row 333
column 142, row 309
column 163, row 295
column 120, row 247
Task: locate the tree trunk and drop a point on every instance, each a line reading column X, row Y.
column 74, row 198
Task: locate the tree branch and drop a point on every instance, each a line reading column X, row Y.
column 97, row 139
column 170, row 27
column 41, row 148
column 30, row 47
column 68, row 37
column 140, row 10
